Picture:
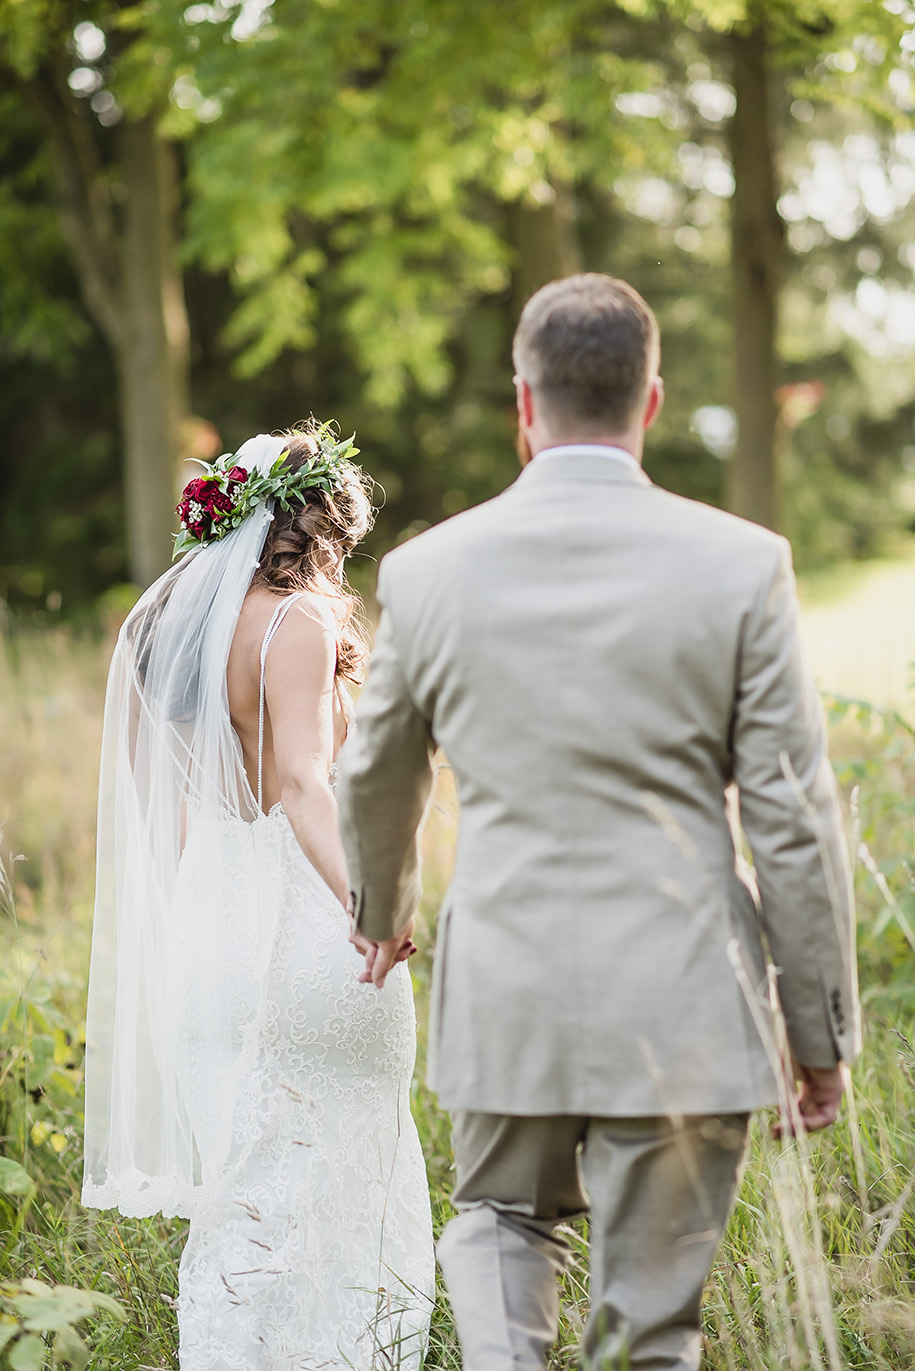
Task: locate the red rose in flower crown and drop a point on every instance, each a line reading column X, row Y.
column 207, row 502
column 213, row 505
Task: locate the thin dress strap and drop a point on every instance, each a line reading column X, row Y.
column 279, row 615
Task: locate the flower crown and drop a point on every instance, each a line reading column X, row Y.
column 213, row 505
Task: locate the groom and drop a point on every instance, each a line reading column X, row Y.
column 599, row 660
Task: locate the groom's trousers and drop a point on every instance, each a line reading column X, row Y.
column 659, row 1192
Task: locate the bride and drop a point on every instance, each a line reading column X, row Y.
column 238, row 1072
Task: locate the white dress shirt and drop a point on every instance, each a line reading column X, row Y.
column 618, row 454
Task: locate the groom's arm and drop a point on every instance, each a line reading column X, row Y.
column 790, row 814
column 386, row 776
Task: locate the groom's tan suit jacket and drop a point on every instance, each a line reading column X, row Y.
column 599, row 659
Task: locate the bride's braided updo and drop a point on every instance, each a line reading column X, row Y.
column 303, row 543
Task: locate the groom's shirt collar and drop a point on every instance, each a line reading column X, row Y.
column 589, row 449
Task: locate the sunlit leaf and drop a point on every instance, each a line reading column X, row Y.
column 9, row 1328
column 27, row 1354
column 14, row 1179
column 69, row 1347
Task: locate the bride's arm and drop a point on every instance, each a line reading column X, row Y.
column 299, row 684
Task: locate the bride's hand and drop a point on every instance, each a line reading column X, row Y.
column 381, row 957
column 360, row 943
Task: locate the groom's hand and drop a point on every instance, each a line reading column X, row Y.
column 819, row 1095
column 381, row 957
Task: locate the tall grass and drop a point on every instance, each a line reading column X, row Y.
column 818, row 1266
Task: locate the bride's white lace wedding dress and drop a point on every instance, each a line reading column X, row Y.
column 237, row 1072
column 312, row 1249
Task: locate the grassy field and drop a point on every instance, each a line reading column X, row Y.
column 858, row 623
column 818, row 1267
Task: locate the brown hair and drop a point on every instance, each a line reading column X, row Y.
column 588, row 347
column 302, row 544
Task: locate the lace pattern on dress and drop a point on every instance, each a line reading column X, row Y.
column 312, row 1247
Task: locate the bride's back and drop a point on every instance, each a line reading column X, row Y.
column 314, row 640
column 306, row 635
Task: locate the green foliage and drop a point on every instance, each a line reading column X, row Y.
column 33, row 1309
column 45, row 1063
column 39, row 319
column 819, row 1253
column 58, row 397
column 29, row 31
column 874, row 758
column 334, row 122
column 41, row 1076
column 14, row 1179
column 41, row 1066
column 371, row 190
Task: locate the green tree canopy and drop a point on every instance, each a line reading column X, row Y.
column 355, row 201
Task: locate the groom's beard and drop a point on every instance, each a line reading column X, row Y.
column 523, row 447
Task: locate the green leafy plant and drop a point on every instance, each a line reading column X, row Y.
column 41, row 1075
column 873, row 752
column 36, row 1318
column 41, row 1072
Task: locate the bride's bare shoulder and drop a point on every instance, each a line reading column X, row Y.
column 309, row 614
column 307, row 633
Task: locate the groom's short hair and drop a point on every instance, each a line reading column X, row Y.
column 588, row 347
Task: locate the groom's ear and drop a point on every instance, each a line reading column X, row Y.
column 525, row 401
column 655, row 402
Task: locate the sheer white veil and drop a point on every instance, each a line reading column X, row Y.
column 171, row 762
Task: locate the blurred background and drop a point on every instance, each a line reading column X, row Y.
column 218, row 218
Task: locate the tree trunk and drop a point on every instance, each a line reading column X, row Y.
column 152, row 358
column 756, row 252
column 547, row 244
column 132, row 287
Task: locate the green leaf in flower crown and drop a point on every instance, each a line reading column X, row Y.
column 183, row 543
column 321, row 471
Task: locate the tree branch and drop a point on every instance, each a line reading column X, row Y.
column 88, row 220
